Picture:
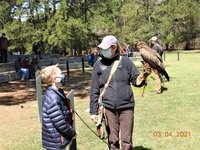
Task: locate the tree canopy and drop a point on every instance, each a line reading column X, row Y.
column 76, row 25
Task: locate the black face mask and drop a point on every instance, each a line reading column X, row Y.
column 62, row 81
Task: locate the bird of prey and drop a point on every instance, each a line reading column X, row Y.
column 151, row 57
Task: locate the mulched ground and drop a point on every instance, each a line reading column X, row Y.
column 19, row 92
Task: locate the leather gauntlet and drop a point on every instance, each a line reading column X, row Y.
column 144, row 74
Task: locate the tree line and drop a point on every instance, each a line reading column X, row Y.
column 57, row 25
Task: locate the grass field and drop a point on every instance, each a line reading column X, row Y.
column 169, row 121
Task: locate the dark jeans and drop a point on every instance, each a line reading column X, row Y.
column 4, row 56
column 120, row 121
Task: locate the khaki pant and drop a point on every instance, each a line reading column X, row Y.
column 156, row 75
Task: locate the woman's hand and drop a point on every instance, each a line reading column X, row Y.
column 94, row 118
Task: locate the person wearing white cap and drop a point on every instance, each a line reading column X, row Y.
column 118, row 98
column 157, row 76
column 156, row 46
column 108, row 46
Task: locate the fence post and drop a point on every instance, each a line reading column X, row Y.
column 39, row 93
column 178, row 55
column 164, row 55
column 83, row 69
column 70, row 96
column 67, row 66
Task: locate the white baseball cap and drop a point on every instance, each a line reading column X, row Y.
column 154, row 38
column 107, row 42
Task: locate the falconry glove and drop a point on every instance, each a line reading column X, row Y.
column 144, row 74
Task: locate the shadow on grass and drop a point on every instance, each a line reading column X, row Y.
column 17, row 92
column 140, row 148
column 79, row 82
column 164, row 88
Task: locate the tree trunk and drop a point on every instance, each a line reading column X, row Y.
column 187, row 45
column 54, row 7
column 2, row 25
column 47, row 11
column 31, row 12
column 167, row 46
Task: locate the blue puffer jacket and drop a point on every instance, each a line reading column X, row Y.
column 56, row 119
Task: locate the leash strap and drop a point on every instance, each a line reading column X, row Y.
column 89, row 127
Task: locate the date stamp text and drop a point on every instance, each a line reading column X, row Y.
column 172, row 134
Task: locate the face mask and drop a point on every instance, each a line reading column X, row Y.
column 107, row 52
column 62, row 81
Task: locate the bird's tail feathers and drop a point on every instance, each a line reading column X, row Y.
column 166, row 75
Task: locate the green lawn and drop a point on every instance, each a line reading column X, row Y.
column 176, row 110
column 169, row 121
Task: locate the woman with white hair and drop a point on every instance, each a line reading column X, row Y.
column 57, row 129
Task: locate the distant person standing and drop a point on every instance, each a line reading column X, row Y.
column 3, row 48
column 157, row 76
column 93, row 57
column 156, row 46
column 36, row 50
column 34, row 66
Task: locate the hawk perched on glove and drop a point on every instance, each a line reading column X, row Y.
column 151, row 57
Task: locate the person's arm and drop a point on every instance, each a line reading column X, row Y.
column 136, row 78
column 95, row 91
column 58, row 119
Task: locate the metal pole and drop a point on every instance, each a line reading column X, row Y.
column 67, row 67
column 70, row 96
column 178, row 55
column 83, row 69
column 39, row 93
column 164, row 55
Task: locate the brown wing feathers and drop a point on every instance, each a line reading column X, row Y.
column 150, row 56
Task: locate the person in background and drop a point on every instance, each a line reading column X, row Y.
column 157, row 76
column 93, row 57
column 95, row 54
column 22, row 66
column 118, row 99
column 36, row 50
column 34, row 66
column 90, row 58
column 57, row 130
column 3, row 48
column 156, row 46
